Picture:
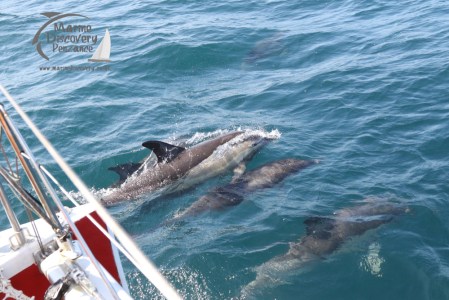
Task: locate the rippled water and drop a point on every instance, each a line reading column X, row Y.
column 360, row 85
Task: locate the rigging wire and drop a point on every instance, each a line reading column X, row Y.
column 112, row 239
column 3, row 150
column 149, row 269
column 36, row 231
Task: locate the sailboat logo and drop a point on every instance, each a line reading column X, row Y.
column 53, row 16
column 103, row 51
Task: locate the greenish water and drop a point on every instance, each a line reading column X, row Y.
column 360, row 85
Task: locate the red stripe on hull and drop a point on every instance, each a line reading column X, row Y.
column 99, row 244
column 31, row 282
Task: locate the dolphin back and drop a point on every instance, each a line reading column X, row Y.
column 272, row 173
column 324, row 235
column 233, row 193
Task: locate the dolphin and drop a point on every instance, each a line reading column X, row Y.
column 265, row 48
column 233, row 193
column 324, row 235
column 178, row 168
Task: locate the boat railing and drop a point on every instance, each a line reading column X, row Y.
column 39, row 178
column 31, row 169
column 18, row 238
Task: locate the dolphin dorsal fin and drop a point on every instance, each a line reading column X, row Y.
column 163, row 151
column 125, row 170
column 319, row 227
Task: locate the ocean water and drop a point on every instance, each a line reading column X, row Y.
column 363, row 86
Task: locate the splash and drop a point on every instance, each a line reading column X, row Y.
column 269, row 135
column 372, row 262
column 198, row 137
column 98, row 194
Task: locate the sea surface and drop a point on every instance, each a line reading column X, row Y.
column 363, row 86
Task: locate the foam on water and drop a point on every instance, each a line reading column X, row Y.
column 202, row 136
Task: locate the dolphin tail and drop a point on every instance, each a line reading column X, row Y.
column 172, row 221
column 255, row 289
column 167, row 223
column 275, row 272
column 249, row 291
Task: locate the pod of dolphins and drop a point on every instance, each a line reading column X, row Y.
column 178, row 168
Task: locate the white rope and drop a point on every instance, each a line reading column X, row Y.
column 10, row 292
column 149, row 270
